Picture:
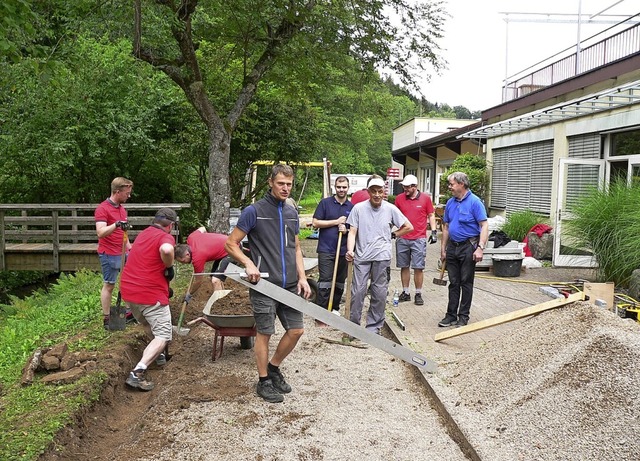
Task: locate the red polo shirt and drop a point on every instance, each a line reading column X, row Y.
column 417, row 210
column 205, row 247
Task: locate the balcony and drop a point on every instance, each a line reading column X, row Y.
column 622, row 40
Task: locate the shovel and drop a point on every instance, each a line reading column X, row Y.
column 117, row 317
column 216, row 295
column 440, row 281
column 178, row 329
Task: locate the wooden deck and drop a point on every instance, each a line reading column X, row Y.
column 61, row 237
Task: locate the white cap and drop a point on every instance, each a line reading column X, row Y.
column 375, row 182
column 409, row 180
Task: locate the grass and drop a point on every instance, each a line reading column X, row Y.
column 32, row 415
column 608, row 223
column 519, row 223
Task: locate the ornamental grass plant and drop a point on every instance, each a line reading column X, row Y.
column 608, row 223
column 518, row 224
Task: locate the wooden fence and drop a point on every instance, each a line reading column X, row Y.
column 62, row 237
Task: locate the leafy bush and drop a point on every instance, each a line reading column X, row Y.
column 475, row 167
column 608, row 223
column 519, row 223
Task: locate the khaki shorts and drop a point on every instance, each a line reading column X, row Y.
column 157, row 316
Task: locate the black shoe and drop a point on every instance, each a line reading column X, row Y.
column 161, row 360
column 278, row 381
column 461, row 322
column 266, row 390
column 137, row 380
column 447, row 322
column 105, row 322
column 404, row 297
column 418, row 301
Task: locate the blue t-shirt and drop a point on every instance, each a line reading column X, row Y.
column 464, row 217
column 328, row 209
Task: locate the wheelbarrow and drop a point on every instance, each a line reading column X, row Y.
column 309, row 265
column 242, row 326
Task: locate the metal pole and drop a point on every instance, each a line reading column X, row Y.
column 578, row 40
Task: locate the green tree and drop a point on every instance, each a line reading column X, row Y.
column 475, row 168
column 252, row 36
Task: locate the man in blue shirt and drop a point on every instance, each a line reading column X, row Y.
column 330, row 218
column 465, row 233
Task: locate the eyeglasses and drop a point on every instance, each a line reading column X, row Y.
column 409, row 187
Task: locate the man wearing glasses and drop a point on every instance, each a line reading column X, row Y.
column 111, row 222
column 330, row 218
column 369, row 247
column 411, row 249
column 465, row 232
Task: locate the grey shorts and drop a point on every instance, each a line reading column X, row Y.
column 158, row 317
column 265, row 310
column 411, row 253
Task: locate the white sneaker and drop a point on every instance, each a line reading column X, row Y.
column 336, row 313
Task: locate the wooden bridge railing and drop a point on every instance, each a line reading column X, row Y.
column 61, row 237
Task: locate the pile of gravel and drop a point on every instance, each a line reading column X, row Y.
column 563, row 385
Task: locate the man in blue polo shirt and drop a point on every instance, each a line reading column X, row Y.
column 330, row 218
column 465, row 232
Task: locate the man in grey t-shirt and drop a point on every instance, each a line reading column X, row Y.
column 369, row 248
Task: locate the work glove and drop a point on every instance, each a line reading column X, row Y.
column 169, row 273
column 124, row 225
column 433, row 238
column 187, row 298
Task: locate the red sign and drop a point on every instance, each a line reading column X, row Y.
column 393, row 172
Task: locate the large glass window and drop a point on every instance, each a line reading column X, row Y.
column 625, row 143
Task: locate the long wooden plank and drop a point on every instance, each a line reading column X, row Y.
column 515, row 315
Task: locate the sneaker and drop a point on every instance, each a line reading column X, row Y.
column 278, row 381
column 461, row 322
column 105, row 322
column 404, row 297
column 447, row 322
column 161, row 360
column 335, row 312
column 137, row 380
column 266, row 390
column 129, row 318
column 418, row 301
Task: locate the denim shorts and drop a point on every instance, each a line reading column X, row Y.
column 110, row 267
column 157, row 316
column 265, row 310
column 411, row 253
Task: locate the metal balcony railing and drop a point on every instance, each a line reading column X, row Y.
column 592, row 53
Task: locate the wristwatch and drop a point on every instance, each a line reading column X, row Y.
column 481, row 246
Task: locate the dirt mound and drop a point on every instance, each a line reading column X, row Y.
column 561, row 386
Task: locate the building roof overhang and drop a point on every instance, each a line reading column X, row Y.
column 620, row 96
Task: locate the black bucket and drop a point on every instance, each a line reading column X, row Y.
column 507, row 265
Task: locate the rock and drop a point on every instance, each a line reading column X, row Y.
column 49, row 362
column 541, row 247
column 64, row 377
column 58, row 351
column 68, row 362
column 634, row 284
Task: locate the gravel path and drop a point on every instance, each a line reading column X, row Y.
column 347, row 403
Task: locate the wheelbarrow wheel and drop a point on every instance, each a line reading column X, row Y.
column 246, row 342
column 314, row 289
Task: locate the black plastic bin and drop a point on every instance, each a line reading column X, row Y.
column 507, row 265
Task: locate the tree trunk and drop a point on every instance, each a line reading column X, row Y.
column 219, row 187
